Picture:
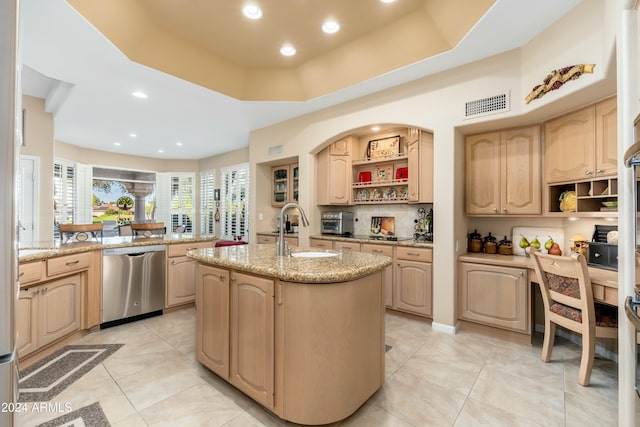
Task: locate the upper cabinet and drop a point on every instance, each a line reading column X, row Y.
column 503, row 174
column 334, row 173
column 284, row 184
column 582, row 144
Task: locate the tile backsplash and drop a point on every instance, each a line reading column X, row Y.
column 405, row 216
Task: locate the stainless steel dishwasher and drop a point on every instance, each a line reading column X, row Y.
column 133, row 283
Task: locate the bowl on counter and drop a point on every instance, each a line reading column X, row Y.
column 610, row 204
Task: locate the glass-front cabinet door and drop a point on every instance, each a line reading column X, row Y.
column 279, row 185
column 295, row 174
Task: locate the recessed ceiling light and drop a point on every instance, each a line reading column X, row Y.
column 288, row 50
column 179, row 144
column 330, row 27
column 117, row 144
column 252, row 11
column 375, row 128
column 161, row 151
column 133, row 135
column 140, row 94
column 387, row 1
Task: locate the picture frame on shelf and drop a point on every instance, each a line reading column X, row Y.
column 384, row 147
column 383, row 174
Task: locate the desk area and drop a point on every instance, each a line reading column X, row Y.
column 496, row 291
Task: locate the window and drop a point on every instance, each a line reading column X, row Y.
column 234, row 203
column 182, row 201
column 64, row 194
column 207, row 202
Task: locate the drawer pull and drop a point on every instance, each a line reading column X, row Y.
column 191, row 249
column 376, row 250
column 21, row 274
column 70, row 263
column 413, row 253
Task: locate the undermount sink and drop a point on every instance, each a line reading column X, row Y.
column 313, row 254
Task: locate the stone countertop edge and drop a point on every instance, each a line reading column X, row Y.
column 410, row 243
column 46, row 251
column 261, row 259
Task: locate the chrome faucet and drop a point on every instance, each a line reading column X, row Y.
column 303, row 218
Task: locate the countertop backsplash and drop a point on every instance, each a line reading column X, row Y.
column 405, row 215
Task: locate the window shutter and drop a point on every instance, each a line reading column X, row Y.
column 235, row 202
column 84, row 191
column 64, row 193
column 207, row 203
column 162, row 206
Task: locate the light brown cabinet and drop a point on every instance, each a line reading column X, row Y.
column 385, row 250
column 502, row 173
column 273, row 239
column 252, row 336
column 320, row 243
column 413, row 287
column 494, row 296
column 282, row 185
column 334, row 173
column 582, row 144
column 48, row 312
column 346, row 246
column 212, row 319
column 181, row 273
column 420, row 164
column 235, row 330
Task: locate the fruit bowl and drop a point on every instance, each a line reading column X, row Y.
column 610, row 204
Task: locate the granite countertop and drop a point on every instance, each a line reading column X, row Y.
column 44, row 250
column 365, row 239
column 262, row 260
column 275, row 233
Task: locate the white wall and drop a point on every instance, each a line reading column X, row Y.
column 437, row 103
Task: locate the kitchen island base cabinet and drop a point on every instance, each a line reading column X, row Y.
column 310, row 353
column 494, row 296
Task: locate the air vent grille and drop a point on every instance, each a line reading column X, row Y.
column 484, row 106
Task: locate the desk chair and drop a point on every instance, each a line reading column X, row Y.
column 568, row 302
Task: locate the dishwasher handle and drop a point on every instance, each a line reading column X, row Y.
column 136, row 254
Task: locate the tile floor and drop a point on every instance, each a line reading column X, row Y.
column 432, row 379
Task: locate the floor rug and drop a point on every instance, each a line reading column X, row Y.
column 45, row 379
column 89, row 416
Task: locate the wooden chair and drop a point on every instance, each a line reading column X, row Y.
column 568, row 302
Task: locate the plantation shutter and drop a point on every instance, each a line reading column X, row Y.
column 64, row 194
column 84, row 192
column 182, row 195
column 207, row 202
column 235, row 202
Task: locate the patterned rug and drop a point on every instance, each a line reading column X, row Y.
column 45, row 379
column 89, row 416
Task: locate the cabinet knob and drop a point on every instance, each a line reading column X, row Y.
column 44, row 290
column 504, row 209
column 495, row 209
column 222, row 277
column 599, row 170
column 21, row 274
column 521, row 274
column 587, row 173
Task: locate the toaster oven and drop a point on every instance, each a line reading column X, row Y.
column 339, row 223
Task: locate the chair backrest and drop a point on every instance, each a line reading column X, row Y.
column 565, row 280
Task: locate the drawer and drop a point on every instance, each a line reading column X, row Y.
column 30, row 272
column 181, row 249
column 319, row 243
column 266, row 240
column 346, row 246
column 385, row 250
column 414, row 254
column 605, row 294
column 291, row 241
column 64, row 264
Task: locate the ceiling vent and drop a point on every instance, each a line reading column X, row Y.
column 275, row 150
column 485, row 106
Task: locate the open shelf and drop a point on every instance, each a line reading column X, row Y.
column 589, row 197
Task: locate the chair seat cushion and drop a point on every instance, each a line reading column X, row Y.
column 606, row 315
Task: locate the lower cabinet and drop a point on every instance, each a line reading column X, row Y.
column 494, row 296
column 48, row 312
column 181, row 273
column 235, row 330
column 385, row 250
column 413, row 286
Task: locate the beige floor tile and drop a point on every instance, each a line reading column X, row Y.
column 158, row 382
column 132, row 358
column 372, row 415
column 475, row 413
column 521, row 395
column 400, row 352
column 199, row 405
column 131, row 421
column 590, row 409
column 418, row 402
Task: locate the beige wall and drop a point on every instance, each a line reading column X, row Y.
column 39, row 128
column 437, row 103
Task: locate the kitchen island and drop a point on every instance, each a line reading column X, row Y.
column 302, row 336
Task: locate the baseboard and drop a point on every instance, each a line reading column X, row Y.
column 447, row 329
column 577, row 339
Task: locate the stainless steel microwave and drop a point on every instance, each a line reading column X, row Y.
column 339, row 223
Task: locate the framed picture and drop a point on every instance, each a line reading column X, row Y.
column 216, row 194
column 385, row 147
column 383, row 174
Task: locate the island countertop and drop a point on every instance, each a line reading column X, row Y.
column 262, row 260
